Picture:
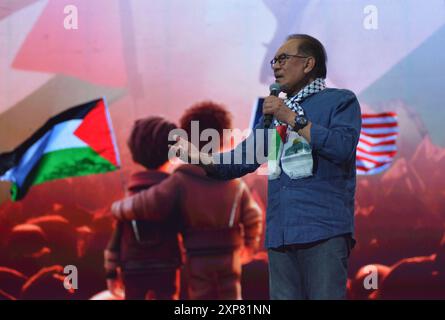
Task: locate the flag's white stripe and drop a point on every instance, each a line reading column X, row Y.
column 373, row 171
column 379, row 120
column 365, row 163
column 374, row 158
column 369, row 165
column 377, row 148
column 62, row 136
column 374, row 140
column 380, row 130
column 383, row 158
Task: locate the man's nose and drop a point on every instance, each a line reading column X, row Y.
column 276, row 66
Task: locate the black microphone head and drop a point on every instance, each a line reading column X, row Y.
column 275, row 89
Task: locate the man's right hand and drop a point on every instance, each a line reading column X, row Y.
column 188, row 152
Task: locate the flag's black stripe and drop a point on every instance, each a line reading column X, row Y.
column 11, row 159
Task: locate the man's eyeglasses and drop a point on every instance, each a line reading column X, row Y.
column 281, row 59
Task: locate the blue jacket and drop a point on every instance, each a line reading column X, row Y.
column 320, row 206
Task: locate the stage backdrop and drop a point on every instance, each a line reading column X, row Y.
column 159, row 57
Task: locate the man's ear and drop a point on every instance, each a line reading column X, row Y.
column 309, row 65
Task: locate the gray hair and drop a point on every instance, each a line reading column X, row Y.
column 312, row 47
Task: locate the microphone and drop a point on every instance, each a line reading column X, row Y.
column 275, row 90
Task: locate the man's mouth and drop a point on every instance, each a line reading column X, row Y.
column 278, row 77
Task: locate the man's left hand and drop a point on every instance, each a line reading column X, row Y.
column 276, row 107
column 123, row 209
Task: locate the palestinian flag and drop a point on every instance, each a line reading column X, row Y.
column 77, row 142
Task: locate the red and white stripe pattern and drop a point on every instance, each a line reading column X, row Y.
column 377, row 145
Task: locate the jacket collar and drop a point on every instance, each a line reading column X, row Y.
column 145, row 179
column 193, row 170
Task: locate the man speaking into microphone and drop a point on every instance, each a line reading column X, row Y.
column 311, row 190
